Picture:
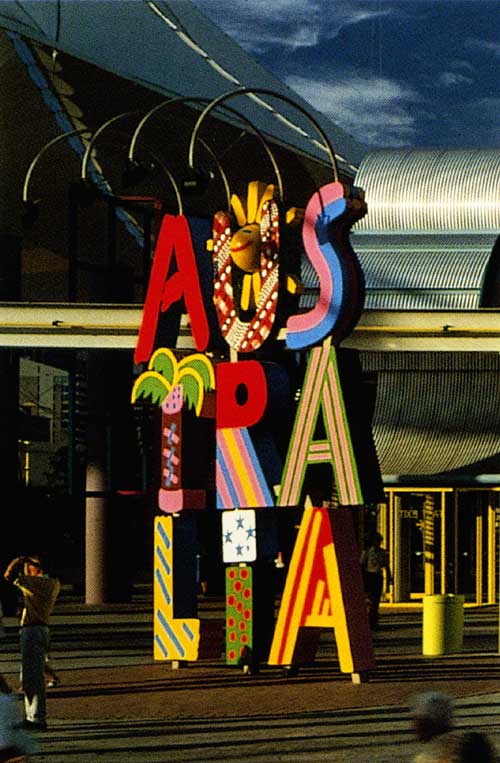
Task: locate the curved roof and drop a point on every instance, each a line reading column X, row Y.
column 172, row 48
column 428, row 238
column 429, row 191
column 433, row 272
column 436, row 413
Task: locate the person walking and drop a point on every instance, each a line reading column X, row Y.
column 374, row 561
column 40, row 592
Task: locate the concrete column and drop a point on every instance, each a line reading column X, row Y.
column 96, row 508
column 97, row 482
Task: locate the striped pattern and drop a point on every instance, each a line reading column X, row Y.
column 418, row 272
column 431, row 190
column 329, row 215
column 319, row 593
column 428, row 240
column 174, row 638
column 239, row 477
column 321, row 390
column 420, row 399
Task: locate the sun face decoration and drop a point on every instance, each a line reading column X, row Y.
column 245, row 244
column 246, row 267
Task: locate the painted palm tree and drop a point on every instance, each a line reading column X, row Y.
column 170, row 384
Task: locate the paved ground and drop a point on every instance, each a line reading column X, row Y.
column 115, row 701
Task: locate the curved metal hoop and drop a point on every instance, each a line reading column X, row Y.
column 169, row 175
column 95, row 135
column 33, row 164
column 262, row 91
column 100, row 130
column 245, row 120
column 223, row 175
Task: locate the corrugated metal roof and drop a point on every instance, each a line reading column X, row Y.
column 440, row 190
column 435, row 413
column 416, row 272
column 424, row 272
column 427, row 240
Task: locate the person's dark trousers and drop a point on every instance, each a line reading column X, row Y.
column 373, row 586
column 34, row 647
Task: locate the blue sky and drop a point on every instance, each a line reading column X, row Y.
column 416, row 73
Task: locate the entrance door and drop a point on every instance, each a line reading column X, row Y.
column 418, row 541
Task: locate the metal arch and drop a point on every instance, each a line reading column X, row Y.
column 262, row 91
column 198, row 99
column 169, row 175
column 48, row 145
column 171, row 102
column 221, row 171
column 95, row 135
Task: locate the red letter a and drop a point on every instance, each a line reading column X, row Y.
column 164, row 290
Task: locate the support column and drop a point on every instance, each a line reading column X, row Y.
column 96, row 482
column 112, row 477
column 444, row 551
column 401, row 564
column 455, row 540
column 96, row 509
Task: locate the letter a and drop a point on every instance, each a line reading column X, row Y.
column 165, row 287
column 322, row 390
column 324, row 589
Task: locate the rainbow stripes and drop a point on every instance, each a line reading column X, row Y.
column 174, row 638
column 322, row 389
column 239, row 476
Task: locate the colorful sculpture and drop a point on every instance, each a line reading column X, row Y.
column 171, row 383
column 323, row 588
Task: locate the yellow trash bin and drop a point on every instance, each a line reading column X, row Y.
column 443, row 624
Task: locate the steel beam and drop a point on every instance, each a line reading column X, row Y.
column 109, row 326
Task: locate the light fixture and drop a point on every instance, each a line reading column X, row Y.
column 135, row 172
column 84, row 190
column 196, row 179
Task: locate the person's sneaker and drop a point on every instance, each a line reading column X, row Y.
column 34, row 725
column 53, row 682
